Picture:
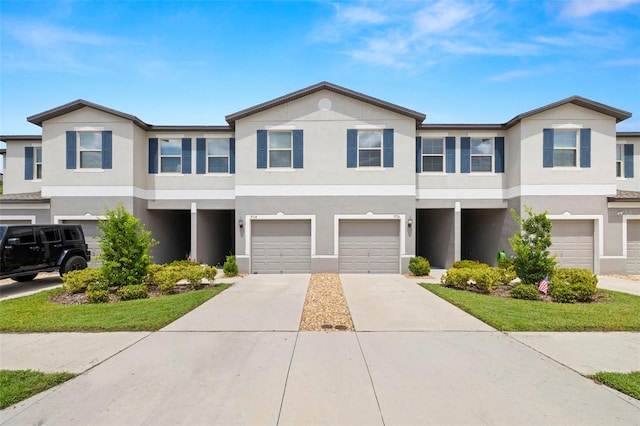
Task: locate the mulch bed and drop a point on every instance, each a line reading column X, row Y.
column 64, row 298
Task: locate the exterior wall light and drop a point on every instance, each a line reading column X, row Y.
column 241, row 223
column 410, row 222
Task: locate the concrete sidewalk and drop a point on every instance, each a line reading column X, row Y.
column 620, row 284
column 404, row 365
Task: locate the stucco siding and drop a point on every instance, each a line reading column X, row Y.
column 14, row 169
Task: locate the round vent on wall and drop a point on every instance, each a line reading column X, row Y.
column 324, row 104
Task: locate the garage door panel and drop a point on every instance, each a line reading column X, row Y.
column 281, row 247
column 633, row 247
column 369, row 246
column 572, row 243
column 91, row 233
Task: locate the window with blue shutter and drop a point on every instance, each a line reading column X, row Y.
column 28, row 162
column 186, row 156
column 262, row 149
column 107, row 149
column 418, row 154
column 499, row 154
column 71, row 150
column 585, row 148
column 465, row 154
column 450, row 154
column 298, row 149
column 153, row 155
column 387, row 147
column 201, row 156
column 352, row 148
column 547, row 148
column 628, row 160
column 232, row 155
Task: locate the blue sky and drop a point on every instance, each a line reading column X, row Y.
column 188, row 62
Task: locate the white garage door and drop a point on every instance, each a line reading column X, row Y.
column 633, row 247
column 572, row 243
column 369, row 246
column 91, row 235
column 280, row 246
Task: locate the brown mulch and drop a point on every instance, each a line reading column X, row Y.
column 325, row 307
column 63, row 298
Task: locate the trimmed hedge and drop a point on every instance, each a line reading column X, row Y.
column 419, row 266
column 570, row 285
column 525, row 292
column 132, row 292
column 483, row 278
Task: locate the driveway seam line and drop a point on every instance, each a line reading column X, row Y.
column 286, row 381
column 373, row 386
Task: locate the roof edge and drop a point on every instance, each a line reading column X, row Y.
column 8, row 138
column 38, row 119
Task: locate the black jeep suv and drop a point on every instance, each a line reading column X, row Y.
column 26, row 250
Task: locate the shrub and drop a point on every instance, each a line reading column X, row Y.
column 507, row 274
column 419, row 266
column 562, row 293
column 152, row 270
column 210, row 273
column 77, row 281
column 230, row 267
column 526, row 292
column 97, row 296
column 486, row 279
column 460, row 264
column 569, row 285
column 124, row 244
column 194, row 274
column 507, row 263
column 531, row 245
column 132, row 292
column 184, row 262
column 166, row 279
column 457, row 278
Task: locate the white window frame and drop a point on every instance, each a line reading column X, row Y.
column 228, row 156
column 160, row 140
column 37, row 165
column 270, row 150
column 442, row 140
column 576, row 149
column 80, row 150
column 491, row 155
column 380, row 149
column 620, row 162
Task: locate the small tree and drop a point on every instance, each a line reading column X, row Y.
column 531, row 244
column 125, row 248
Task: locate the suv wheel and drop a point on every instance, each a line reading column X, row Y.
column 24, row 278
column 72, row 264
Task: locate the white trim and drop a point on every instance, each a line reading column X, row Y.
column 22, row 206
column 482, row 135
column 369, row 216
column 218, row 135
column 370, row 126
column 247, row 225
column 168, row 136
column 31, row 218
column 87, row 217
column 325, row 256
column 567, row 126
column 280, row 127
column 515, row 191
column 132, row 191
column 323, row 190
column 433, row 135
column 88, row 170
column 88, row 129
column 624, row 204
column 598, row 218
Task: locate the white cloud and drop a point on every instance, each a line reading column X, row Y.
column 358, row 15
column 511, row 75
column 42, row 35
column 584, row 8
column 446, row 15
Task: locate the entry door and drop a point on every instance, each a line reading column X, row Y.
column 280, row 246
column 369, row 246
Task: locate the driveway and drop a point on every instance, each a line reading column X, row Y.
column 414, row 359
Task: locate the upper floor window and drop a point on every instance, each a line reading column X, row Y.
column 369, row 148
column 481, row 154
column 619, row 160
column 38, row 163
column 218, row 155
column 90, row 150
column 432, row 155
column 170, row 155
column 280, row 149
column 624, row 160
column 32, row 163
column 566, row 148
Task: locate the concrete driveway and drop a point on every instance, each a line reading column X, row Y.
column 414, row 359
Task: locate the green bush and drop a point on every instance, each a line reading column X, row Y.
column 506, row 274
column 466, row 264
column 419, row 266
column 210, row 273
column 230, row 267
column 562, row 293
column 166, row 279
column 193, row 274
column 184, row 262
column 486, row 279
column 152, row 270
column 97, row 296
column 457, row 278
column 526, row 292
column 507, row 263
column 77, row 281
column 531, row 245
column 568, row 285
column 132, row 292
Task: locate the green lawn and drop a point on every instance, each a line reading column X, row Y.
column 36, row 314
column 18, row 385
column 628, row 383
column 619, row 313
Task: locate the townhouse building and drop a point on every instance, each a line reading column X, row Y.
column 326, row 179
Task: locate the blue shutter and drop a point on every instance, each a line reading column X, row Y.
column 201, row 156
column 499, row 160
column 107, row 149
column 585, row 148
column 450, row 154
column 352, row 148
column 153, row 155
column 387, row 148
column 298, row 149
column 465, row 154
column 186, row 156
column 28, row 162
column 547, row 148
column 71, row 150
column 232, row 155
column 418, row 154
column 628, row 160
column 262, row 149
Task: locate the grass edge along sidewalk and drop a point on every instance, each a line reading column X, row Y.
column 18, row 385
column 618, row 313
column 35, row 314
column 627, row 383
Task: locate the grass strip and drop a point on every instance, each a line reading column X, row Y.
column 18, row 385
column 627, row 383
column 35, row 313
column 618, row 313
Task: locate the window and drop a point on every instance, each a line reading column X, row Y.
column 38, row 163
column 481, row 154
column 170, row 155
column 432, row 155
column 619, row 160
column 280, row 149
column 218, row 155
column 90, row 150
column 369, row 148
column 48, row 235
column 72, row 234
column 25, row 235
column 565, row 148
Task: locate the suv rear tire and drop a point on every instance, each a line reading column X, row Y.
column 72, row 264
column 24, row 278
